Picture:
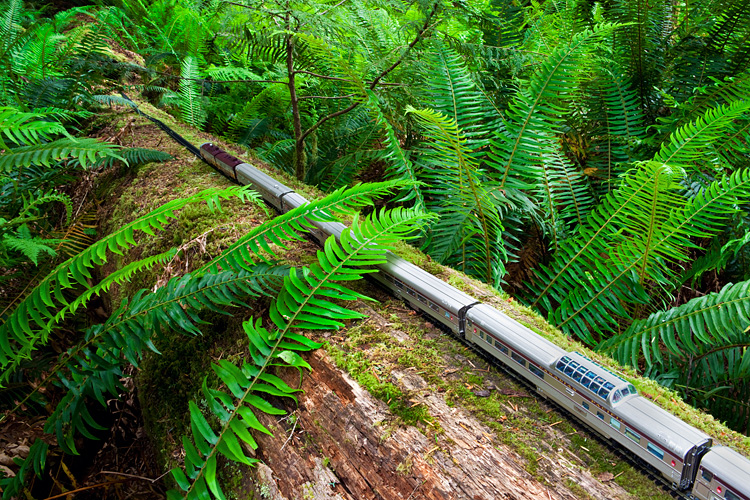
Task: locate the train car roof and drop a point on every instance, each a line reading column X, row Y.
column 586, row 372
column 659, row 426
column 425, row 283
column 515, row 335
column 730, row 467
column 252, row 175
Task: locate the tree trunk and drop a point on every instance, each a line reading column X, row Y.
column 341, row 444
column 299, row 140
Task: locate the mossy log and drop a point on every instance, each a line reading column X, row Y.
column 340, row 444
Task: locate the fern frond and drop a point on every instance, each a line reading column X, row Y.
column 291, row 225
column 93, row 368
column 565, row 191
column 29, row 246
column 85, row 150
column 640, row 228
column 621, row 120
column 12, row 487
column 10, row 23
column 690, row 146
column 465, row 200
column 452, row 92
column 109, row 100
column 535, row 112
column 305, row 302
column 27, row 324
column 702, row 324
column 135, row 157
column 400, row 167
column 190, row 94
column 26, row 128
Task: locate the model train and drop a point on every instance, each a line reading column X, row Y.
column 601, row 399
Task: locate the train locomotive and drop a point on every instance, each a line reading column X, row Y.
column 604, row 401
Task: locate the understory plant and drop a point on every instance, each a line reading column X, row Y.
column 92, row 369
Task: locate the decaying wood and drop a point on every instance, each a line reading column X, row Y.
column 343, row 447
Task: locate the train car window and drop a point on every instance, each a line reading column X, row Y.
column 571, row 367
column 707, row 475
column 389, row 278
column 596, row 384
column 655, row 451
column 579, row 373
column 606, row 389
column 614, row 423
column 500, row 346
column 421, row 298
column 598, row 414
column 616, row 396
column 586, row 380
column 434, row 306
column 518, row 359
column 536, row 371
column 398, row 284
column 561, row 364
column 585, row 405
column 632, row 435
column 632, row 389
column 411, row 292
column 728, row 495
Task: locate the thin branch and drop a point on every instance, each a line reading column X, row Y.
column 347, row 96
column 304, row 72
column 375, row 82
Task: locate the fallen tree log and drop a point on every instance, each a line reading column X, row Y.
column 339, row 445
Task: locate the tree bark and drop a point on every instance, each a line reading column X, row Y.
column 341, row 445
column 299, row 139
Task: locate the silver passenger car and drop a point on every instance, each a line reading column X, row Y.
column 425, row 292
column 663, row 440
column 723, row 474
column 513, row 344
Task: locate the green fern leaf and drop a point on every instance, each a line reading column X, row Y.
column 86, row 151
column 641, row 228
column 304, row 302
column 135, row 157
column 190, row 94
column 26, row 128
column 702, row 324
column 291, row 225
column 469, row 230
column 691, row 146
column 400, row 166
column 26, row 325
column 535, row 113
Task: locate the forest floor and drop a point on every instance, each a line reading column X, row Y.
column 394, row 406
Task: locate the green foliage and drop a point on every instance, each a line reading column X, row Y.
column 709, row 323
column 189, row 95
column 304, row 302
column 135, row 157
column 469, row 230
column 29, row 323
column 641, row 228
column 535, row 113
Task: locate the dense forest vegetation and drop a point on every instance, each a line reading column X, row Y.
column 589, row 158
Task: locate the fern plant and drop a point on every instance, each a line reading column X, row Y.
column 92, row 369
column 469, row 230
column 305, row 302
column 28, row 324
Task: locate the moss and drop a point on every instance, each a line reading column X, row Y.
column 365, row 373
